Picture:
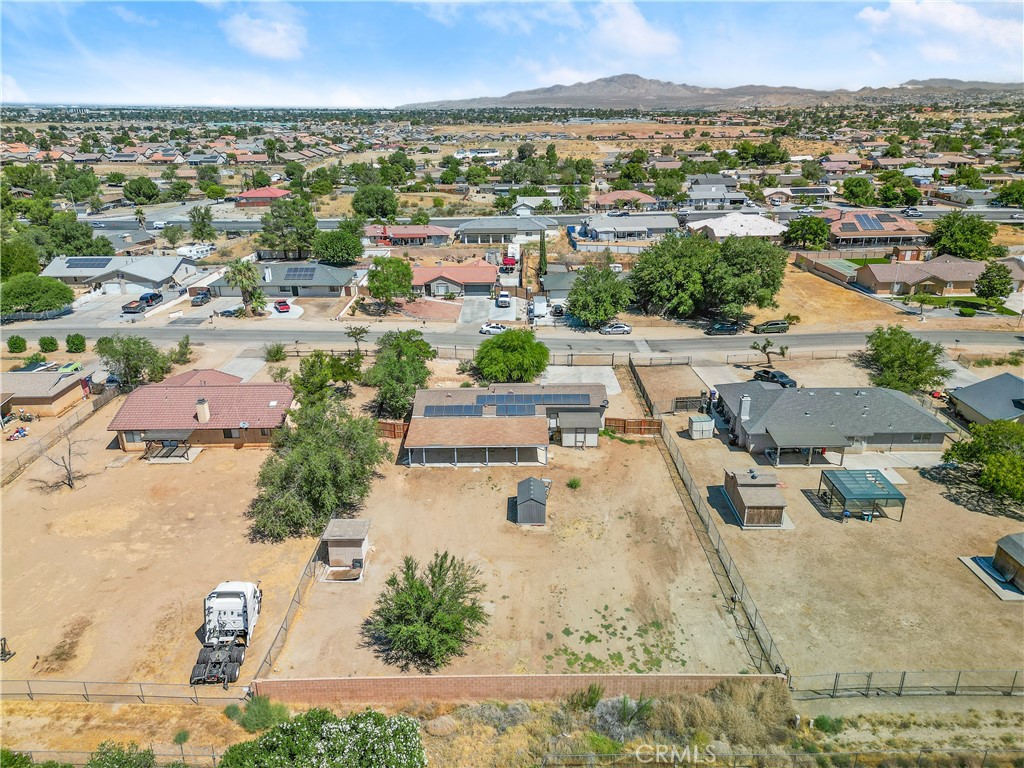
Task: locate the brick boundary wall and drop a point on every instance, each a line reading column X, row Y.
column 470, row 688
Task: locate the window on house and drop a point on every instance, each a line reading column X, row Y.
column 230, row 433
column 132, row 437
column 335, row 289
column 284, row 288
column 921, row 437
column 264, row 432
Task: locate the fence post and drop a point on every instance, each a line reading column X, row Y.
column 142, row 694
column 902, row 678
column 28, row 685
column 956, row 686
column 867, row 684
column 1013, row 683
column 85, row 690
column 835, row 686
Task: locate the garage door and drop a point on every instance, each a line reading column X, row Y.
column 478, row 290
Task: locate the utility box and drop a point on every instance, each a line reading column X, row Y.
column 346, row 541
column 701, row 427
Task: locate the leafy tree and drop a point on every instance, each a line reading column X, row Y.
column 294, row 170
column 133, row 359
column 995, row 283
column 420, row 218
column 968, row 176
column 476, row 175
column 1011, row 194
column 318, row 738
column 668, row 276
column 358, row 334
column 320, row 467
column 542, row 257
column 179, row 190
column 173, row 234
column 426, row 617
column 598, row 295
column 289, row 225
column 182, row 353
column 28, row 292
column 859, row 191
column 318, row 370
column 337, row 247
column 116, row 178
column 201, row 220
column 525, row 151
column 895, row 149
column 245, row 276
column 812, row 171
column 996, row 452
column 260, row 179
column 899, row 361
column 965, row 235
column 215, row 192
column 19, row 255
column 375, row 201
column 512, row 356
column 399, row 369
column 810, row 232
column 141, row 190
column 389, row 279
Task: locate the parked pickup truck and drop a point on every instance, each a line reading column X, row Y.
column 134, row 308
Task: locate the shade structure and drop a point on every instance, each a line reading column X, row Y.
column 860, row 491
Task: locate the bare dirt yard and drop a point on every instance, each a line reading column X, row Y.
column 885, row 595
column 106, row 582
column 616, row 581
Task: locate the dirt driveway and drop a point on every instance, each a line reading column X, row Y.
column 106, row 582
column 617, row 580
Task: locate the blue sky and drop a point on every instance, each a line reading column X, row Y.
column 359, row 54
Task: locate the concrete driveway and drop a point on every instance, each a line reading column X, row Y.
column 582, row 374
column 477, row 310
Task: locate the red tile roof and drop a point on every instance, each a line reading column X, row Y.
column 264, row 192
column 492, row 432
column 171, row 404
column 463, row 275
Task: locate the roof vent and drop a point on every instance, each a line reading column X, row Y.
column 272, row 404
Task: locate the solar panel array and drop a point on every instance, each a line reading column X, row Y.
column 886, row 218
column 88, row 262
column 299, row 273
column 516, row 410
column 848, row 227
column 453, row 410
column 534, row 399
column 868, row 223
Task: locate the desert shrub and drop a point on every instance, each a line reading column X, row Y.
column 113, row 755
column 841, row 760
column 967, row 312
column 623, row 718
column 35, row 357
column 261, row 713
column 233, row 712
column 792, row 319
column 75, row 343
column 753, row 713
column 48, row 344
column 16, row 344
column 466, row 384
column 182, row 353
column 585, row 699
column 574, row 483
column 602, row 745
column 830, row 725
column 280, row 373
column 9, row 759
column 501, row 716
column 274, row 353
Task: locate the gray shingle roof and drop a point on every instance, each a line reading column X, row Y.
column 509, row 224
column 1001, row 397
column 323, row 275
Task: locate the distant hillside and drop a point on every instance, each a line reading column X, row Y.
column 635, row 92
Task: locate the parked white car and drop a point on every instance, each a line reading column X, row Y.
column 493, row 329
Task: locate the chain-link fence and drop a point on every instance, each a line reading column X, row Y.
column 666, row 754
column 571, row 358
column 119, row 693
column 193, row 757
column 908, row 683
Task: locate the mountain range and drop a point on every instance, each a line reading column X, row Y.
column 635, row 92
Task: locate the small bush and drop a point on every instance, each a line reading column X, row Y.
column 233, row 712
column 501, row 716
column 967, row 312
column 585, row 699
column 181, row 737
column 274, row 353
column 466, row 384
column 261, row 713
column 574, row 483
column 16, row 344
column 792, row 319
column 75, row 343
column 35, row 357
column 182, row 354
column 48, row 344
column 830, row 725
column 280, row 373
column 623, row 718
column 602, row 745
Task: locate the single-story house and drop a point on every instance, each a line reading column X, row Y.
column 1016, row 266
column 714, row 194
column 713, row 179
column 789, row 194
column 202, row 407
column 406, row 235
column 263, row 196
column 122, row 274
column 870, row 228
column 167, row 158
column 558, row 284
column 252, row 158
column 44, row 393
column 625, row 198
column 996, row 399
column 613, row 226
column 942, row 276
column 87, row 158
column 505, row 424
column 296, row 278
column 739, row 225
column 125, row 157
column 505, row 229
column 462, row 280
column 765, row 417
column 204, row 158
column 528, row 205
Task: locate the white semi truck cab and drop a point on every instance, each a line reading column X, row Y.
column 231, row 611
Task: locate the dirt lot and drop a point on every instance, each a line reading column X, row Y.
column 105, row 583
column 885, row 595
column 637, row 593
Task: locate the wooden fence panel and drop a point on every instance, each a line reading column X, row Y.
column 634, row 426
column 394, row 430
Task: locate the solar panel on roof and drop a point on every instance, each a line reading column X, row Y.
column 847, row 227
column 87, row 262
column 886, row 217
column 516, row 409
column 299, row 273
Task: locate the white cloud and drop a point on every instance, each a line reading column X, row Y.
column 938, row 52
column 10, row 91
column 961, row 22
column 443, row 13
column 131, row 17
column 622, row 29
column 273, row 31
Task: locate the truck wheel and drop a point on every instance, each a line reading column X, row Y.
column 238, row 655
column 231, row 672
column 204, row 655
column 198, row 674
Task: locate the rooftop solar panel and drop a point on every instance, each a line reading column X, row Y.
column 87, row 262
column 299, row 273
column 517, row 409
column 847, row 227
column 887, row 218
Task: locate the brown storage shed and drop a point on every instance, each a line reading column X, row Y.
column 756, row 498
column 1009, row 559
column 347, row 542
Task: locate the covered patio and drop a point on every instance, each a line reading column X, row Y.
column 167, row 444
column 865, row 493
column 479, row 441
column 807, row 440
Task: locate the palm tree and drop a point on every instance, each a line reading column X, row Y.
column 245, row 276
column 140, row 216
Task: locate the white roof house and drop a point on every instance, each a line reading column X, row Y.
column 738, row 225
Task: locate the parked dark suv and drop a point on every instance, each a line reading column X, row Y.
column 772, row 326
column 723, row 328
column 200, row 298
column 775, row 377
column 151, row 299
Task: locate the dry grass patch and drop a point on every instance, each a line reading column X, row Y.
column 66, row 650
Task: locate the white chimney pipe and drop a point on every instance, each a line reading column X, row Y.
column 202, row 411
column 744, row 407
column 267, row 277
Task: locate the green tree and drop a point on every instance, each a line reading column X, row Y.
column 201, row 220
column 29, row 292
column 75, row 343
column 173, row 234
column 215, row 192
column 995, row 452
column 337, row 247
column 245, row 276
column 389, row 279
column 399, row 369
column 598, row 295
column 668, row 276
column 476, row 175
column 113, row 755
column 133, row 359
column 294, row 171
column 426, row 617
column 179, row 190
column 899, row 361
column 965, row 235
column 525, row 151
column 358, row 334
column 516, row 355
column 141, row 190
column 288, row 226
column 767, row 348
column 420, row 218
column 140, row 217
column 542, row 255
column 859, row 191
column 116, row 178
column 19, row 256
column 809, row 232
column 375, row 201
column 968, row 176
column 995, row 283
column 321, row 467
column 1011, row 194
column 65, row 235
column 318, row 370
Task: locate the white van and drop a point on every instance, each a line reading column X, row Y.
column 504, row 299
